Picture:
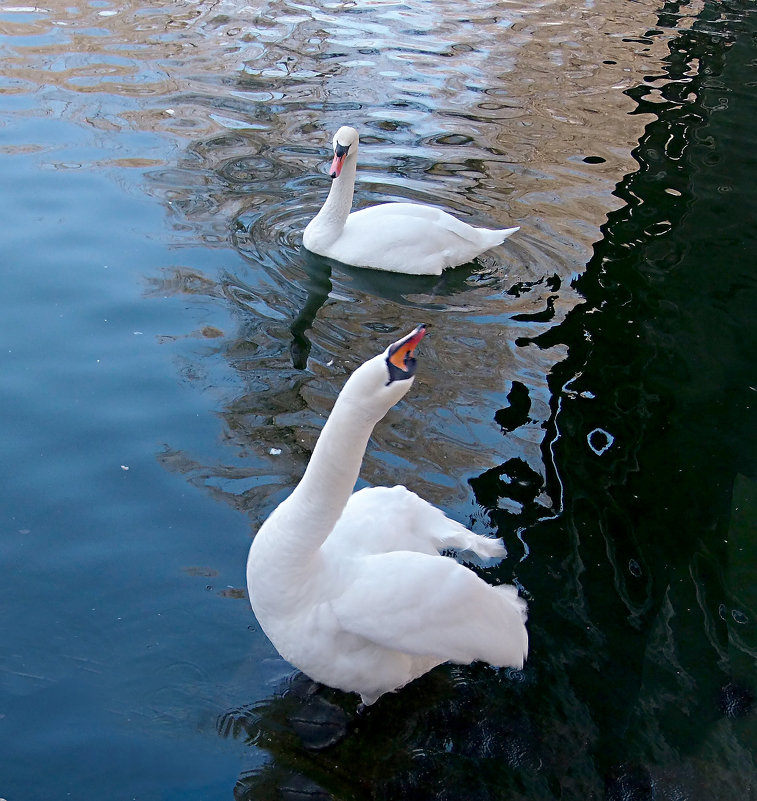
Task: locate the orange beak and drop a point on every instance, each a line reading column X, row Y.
column 406, row 348
column 336, row 165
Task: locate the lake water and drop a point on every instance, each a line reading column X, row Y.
column 587, row 390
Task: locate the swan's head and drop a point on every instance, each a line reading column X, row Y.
column 380, row 382
column 345, row 144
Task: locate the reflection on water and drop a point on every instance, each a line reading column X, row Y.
column 549, row 394
column 449, row 740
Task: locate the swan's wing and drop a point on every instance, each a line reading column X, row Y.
column 383, row 519
column 399, row 242
column 431, row 605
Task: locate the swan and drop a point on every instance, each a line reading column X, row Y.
column 399, row 237
column 351, row 587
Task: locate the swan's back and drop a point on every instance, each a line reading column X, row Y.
column 411, row 238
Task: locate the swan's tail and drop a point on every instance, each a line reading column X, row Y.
column 485, row 238
column 505, row 232
column 510, row 593
column 456, row 537
column 447, row 534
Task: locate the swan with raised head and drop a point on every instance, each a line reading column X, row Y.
column 400, row 237
column 351, row 587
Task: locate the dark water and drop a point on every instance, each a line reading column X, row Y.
column 587, row 391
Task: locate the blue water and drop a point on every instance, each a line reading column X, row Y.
column 586, row 391
column 98, row 661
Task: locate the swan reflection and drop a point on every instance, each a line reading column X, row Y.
column 458, row 734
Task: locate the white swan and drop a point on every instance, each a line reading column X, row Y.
column 399, row 237
column 351, row 587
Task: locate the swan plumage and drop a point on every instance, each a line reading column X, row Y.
column 352, row 587
column 399, row 237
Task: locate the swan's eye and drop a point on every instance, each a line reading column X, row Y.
column 340, row 151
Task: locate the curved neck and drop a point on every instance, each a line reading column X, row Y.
column 310, row 513
column 336, row 208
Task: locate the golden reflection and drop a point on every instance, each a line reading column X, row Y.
column 532, row 88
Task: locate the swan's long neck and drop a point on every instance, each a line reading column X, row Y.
column 308, row 515
column 333, row 469
column 327, row 225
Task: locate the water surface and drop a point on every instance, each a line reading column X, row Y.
column 586, row 391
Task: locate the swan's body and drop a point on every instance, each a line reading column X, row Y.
column 399, row 237
column 351, row 587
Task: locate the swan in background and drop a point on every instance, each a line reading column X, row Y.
column 399, row 237
column 351, row 588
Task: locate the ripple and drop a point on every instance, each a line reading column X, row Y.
column 516, row 675
column 736, row 700
column 289, row 189
column 246, row 171
column 272, row 231
column 739, row 617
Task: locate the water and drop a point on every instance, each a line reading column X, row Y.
column 587, row 390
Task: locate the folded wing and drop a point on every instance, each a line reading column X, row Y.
column 430, row 605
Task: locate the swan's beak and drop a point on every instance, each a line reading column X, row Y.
column 336, row 166
column 401, row 356
column 340, row 154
